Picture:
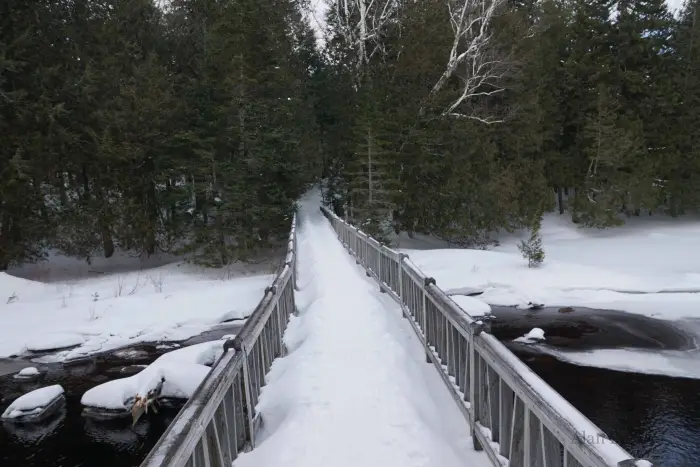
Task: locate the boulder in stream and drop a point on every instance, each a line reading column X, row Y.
column 35, row 405
column 534, row 336
column 28, row 374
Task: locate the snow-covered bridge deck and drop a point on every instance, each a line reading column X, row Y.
column 344, row 382
column 354, row 389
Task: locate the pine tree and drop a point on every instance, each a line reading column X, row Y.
column 532, row 250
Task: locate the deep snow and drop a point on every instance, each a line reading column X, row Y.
column 167, row 303
column 355, row 388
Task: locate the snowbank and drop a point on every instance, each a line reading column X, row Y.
column 349, row 394
column 34, row 403
column 183, row 370
column 170, row 303
column 648, row 267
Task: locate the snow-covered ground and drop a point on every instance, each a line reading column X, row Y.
column 649, row 266
column 117, row 307
column 354, row 388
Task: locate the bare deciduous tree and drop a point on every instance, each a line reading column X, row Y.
column 471, row 57
column 361, row 23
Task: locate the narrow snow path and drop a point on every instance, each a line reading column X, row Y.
column 355, row 389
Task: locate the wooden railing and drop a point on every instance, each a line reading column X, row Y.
column 516, row 418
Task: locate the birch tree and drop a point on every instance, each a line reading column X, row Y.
column 362, row 23
column 471, row 58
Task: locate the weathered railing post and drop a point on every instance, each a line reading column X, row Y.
column 426, row 283
column 247, row 390
column 474, row 383
column 382, row 289
column 402, row 256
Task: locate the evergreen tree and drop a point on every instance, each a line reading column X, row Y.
column 532, row 250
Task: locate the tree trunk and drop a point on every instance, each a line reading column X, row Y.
column 152, row 207
column 5, row 224
column 107, row 241
column 560, row 200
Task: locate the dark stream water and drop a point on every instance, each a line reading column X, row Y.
column 70, row 440
column 653, row 417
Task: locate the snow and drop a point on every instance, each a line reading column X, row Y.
column 53, row 341
column 472, row 306
column 533, row 336
column 105, row 311
column 350, row 394
column 183, row 370
column 650, row 266
column 29, row 371
column 33, row 402
column 675, row 363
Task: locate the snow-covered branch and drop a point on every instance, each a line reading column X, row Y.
column 470, row 58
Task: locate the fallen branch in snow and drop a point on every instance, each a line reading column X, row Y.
column 141, row 404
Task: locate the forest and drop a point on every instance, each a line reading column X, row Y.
column 192, row 127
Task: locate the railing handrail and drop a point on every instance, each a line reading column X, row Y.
column 177, row 445
column 561, row 418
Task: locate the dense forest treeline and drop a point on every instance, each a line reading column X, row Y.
column 123, row 125
column 193, row 126
column 591, row 107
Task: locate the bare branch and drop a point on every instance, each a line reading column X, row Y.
column 486, row 120
column 470, row 58
column 361, row 25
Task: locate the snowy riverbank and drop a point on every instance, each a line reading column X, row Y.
column 651, row 266
column 92, row 314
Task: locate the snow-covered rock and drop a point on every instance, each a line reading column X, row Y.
column 35, row 405
column 473, row 306
column 183, row 370
column 28, row 373
column 529, row 306
column 535, row 335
